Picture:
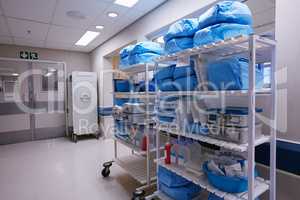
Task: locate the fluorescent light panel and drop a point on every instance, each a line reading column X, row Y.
column 100, row 27
column 126, row 3
column 87, row 38
column 112, row 14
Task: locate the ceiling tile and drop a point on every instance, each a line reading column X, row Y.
column 146, row 5
column 121, row 10
column 3, row 27
column 58, row 45
column 64, row 34
column 89, row 8
column 28, row 42
column 5, row 40
column 20, row 28
column 37, row 10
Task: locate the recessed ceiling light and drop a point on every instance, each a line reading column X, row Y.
column 112, row 14
column 48, row 74
column 126, row 3
column 100, row 27
column 88, row 37
column 15, row 74
column 75, row 14
column 52, row 70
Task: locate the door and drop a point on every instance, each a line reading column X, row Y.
column 48, row 89
column 15, row 117
column 32, row 98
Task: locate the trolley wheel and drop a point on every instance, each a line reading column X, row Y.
column 97, row 136
column 105, row 172
column 75, row 138
column 139, row 195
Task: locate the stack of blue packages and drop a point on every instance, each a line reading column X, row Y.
column 145, row 52
column 185, row 78
column 175, row 186
column 164, row 78
column 232, row 74
column 224, row 20
column 180, row 35
column 124, row 56
column 141, row 86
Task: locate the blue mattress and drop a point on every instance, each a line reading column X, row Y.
column 182, row 28
column 220, row 32
column 226, row 12
column 231, row 74
column 178, row 44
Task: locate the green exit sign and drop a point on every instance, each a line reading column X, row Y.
column 27, row 55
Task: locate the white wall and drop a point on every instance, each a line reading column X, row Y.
column 75, row 61
column 169, row 12
column 287, row 35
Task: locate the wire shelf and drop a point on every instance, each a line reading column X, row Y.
column 261, row 186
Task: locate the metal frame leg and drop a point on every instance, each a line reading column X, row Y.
column 251, row 118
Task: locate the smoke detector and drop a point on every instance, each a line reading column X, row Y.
column 76, row 14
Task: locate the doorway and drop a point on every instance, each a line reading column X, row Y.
column 32, row 100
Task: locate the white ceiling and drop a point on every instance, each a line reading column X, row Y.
column 50, row 27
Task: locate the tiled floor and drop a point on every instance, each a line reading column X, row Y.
column 61, row 170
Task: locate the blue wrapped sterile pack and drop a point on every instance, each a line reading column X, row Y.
column 226, row 12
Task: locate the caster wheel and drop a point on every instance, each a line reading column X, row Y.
column 139, row 195
column 75, row 139
column 97, row 136
column 105, row 172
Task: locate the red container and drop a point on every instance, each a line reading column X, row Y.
column 168, row 153
column 144, row 143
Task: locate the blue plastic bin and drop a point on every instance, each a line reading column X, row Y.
column 171, row 179
column 187, row 192
column 224, row 183
column 122, row 86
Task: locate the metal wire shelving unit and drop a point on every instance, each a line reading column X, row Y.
column 140, row 164
column 257, row 49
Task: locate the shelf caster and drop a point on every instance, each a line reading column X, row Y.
column 106, row 170
column 74, row 138
column 139, row 195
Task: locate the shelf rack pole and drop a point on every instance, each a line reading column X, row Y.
column 273, row 127
column 157, row 131
column 147, row 125
column 251, row 117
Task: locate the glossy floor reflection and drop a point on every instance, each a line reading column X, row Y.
column 61, row 170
